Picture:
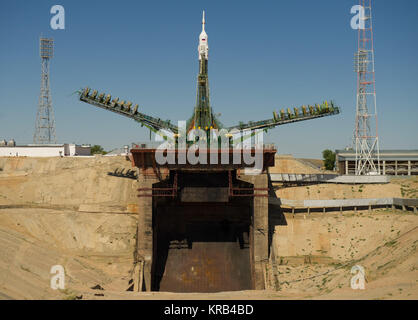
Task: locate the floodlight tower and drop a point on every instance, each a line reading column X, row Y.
column 45, row 123
column 365, row 136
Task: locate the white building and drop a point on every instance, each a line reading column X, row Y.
column 118, row 152
column 44, row 150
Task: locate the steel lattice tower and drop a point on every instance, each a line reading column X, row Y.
column 365, row 136
column 45, row 123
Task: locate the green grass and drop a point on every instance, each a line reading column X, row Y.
column 25, row 269
column 390, row 243
column 69, row 295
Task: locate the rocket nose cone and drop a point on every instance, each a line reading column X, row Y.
column 203, row 35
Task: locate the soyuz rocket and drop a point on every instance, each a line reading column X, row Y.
column 203, row 117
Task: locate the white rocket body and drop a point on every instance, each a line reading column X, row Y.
column 203, row 47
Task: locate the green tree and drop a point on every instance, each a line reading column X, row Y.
column 96, row 149
column 329, row 159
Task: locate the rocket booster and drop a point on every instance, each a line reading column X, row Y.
column 203, row 47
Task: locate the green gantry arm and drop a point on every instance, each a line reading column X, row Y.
column 284, row 117
column 126, row 109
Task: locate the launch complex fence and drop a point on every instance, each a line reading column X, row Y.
column 302, row 206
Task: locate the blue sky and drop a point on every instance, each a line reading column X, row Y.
column 263, row 56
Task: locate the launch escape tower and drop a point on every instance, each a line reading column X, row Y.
column 45, row 123
column 365, row 136
column 202, row 227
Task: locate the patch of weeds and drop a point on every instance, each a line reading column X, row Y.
column 336, row 264
column 322, row 251
column 390, row 243
column 69, row 295
column 24, row 268
column 383, row 265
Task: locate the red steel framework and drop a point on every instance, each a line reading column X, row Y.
column 233, row 191
column 144, row 159
column 366, row 136
column 245, row 191
column 160, row 192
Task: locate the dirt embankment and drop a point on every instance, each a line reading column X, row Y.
column 88, row 184
column 288, row 164
column 315, row 255
column 93, row 248
column 81, row 228
column 66, row 211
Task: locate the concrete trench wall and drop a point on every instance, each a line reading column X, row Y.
column 201, row 247
column 156, row 226
column 259, row 231
column 334, row 237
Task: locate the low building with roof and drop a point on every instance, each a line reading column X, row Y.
column 11, row 149
column 392, row 162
